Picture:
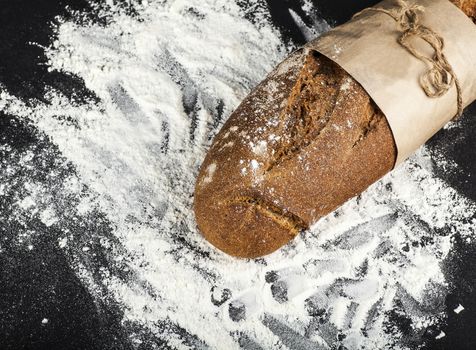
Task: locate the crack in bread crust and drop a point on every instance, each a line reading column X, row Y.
column 293, row 223
column 375, row 117
column 306, row 114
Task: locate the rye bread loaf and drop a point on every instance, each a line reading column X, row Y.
column 303, row 142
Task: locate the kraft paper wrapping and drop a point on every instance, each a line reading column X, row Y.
column 367, row 48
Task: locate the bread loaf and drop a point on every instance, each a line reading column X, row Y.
column 306, row 140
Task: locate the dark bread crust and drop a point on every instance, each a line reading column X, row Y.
column 307, row 139
column 270, row 175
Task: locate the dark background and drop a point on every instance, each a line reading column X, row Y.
column 42, row 285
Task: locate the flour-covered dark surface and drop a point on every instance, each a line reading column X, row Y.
column 107, row 112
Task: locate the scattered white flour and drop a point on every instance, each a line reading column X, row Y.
column 210, row 172
column 167, row 78
column 48, row 217
column 62, row 243
column 346, row 86
column 459, row 309
column 337, row 51
column 316, row 26
column 260, row 148
column 441, row 335
column 254, row 164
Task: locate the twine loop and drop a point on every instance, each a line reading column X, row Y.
column 440, row 76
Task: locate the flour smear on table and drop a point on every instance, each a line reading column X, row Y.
column 167, row 75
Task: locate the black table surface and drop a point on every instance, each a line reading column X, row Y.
column 35, row 284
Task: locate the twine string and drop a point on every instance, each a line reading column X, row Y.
column 440, row 76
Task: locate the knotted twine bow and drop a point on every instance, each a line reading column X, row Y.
column 440, row 76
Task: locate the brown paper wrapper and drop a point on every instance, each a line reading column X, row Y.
column 367, row 48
